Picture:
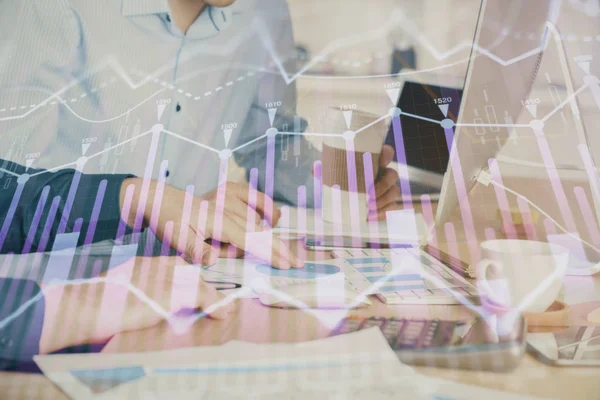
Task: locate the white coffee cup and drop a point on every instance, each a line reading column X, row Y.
column 522, row 275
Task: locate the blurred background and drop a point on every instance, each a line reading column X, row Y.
column 352, row 48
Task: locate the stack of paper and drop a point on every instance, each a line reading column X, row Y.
column 360, row 365
column 355, row 362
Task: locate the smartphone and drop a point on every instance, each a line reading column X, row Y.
column 574, row 346
column 348, row 242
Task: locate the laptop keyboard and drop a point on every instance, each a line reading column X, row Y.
column 403, row 333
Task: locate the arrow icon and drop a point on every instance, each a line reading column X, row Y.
column 85, row 147
column 394, row 94
column 532, row 108
column 585, row 66
column 227, row 133
column 272, row 113
column 161, row 110
column 444, row 109
column 28, row 164
column 348, row 118
column 584, row 63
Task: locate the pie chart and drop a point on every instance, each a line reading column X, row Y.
column 309, row 271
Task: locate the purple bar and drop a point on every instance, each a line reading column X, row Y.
column 79, row 272
column 33, row 228
column 427, row 211
column 353, row 192
column 318, row 197
column 588, row 215
column 252, row 199
column 78, row 225
column 451, row 240
column 48, row 225
column 336, row 199
column 302, row 207
column 220, row 206
column 89, row 237
column 318, row 184
column 559, row 191
column 11, row 213
column 371, row 195
column 145, row 190
column 463, row 197
column 527, row 219
column 370, row 182
column 253, row 181
column 125, row 211
column 64, row 220
column 302, row 220
column 201, row 226
column 158, row 197
column 507, row 221
column 402, row 167
column 270, row 171
column 166, row 242
column 185, row 220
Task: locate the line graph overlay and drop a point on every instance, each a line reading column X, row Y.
column 567, row 101
column 396, row 20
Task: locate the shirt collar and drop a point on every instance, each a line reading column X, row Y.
column 209, row 23
column 132, row 8
column 212, row 21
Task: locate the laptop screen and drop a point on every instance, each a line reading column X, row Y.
column 424, row 141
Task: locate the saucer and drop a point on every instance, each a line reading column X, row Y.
column 557, row 315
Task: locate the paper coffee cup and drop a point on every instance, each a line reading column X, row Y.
column 350, row 163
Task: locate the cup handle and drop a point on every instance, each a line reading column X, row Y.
column 482, row 283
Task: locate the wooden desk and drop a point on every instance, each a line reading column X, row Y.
column 256, row 323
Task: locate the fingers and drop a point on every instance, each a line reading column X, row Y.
column 387, row 193
column 259, row 243
column 387, row 155
column 389, row 198
column 196, row 248
column 273, row 250
column 264, row 204
column 212, row 302
column 239, row 206
column 230, row 251
column 283, row 257
column 389, row 178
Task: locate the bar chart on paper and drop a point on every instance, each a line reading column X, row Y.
column 403, row 276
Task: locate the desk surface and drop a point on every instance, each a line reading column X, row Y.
column 256, row 323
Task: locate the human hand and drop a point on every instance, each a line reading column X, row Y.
column 135, row 295
column 233, row 214
column 384, row 196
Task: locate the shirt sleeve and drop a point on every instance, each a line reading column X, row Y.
column 21, row 322
column 294, row 156
column 32, row 210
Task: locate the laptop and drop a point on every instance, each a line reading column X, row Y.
column 425, row 145
column 494, row 92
